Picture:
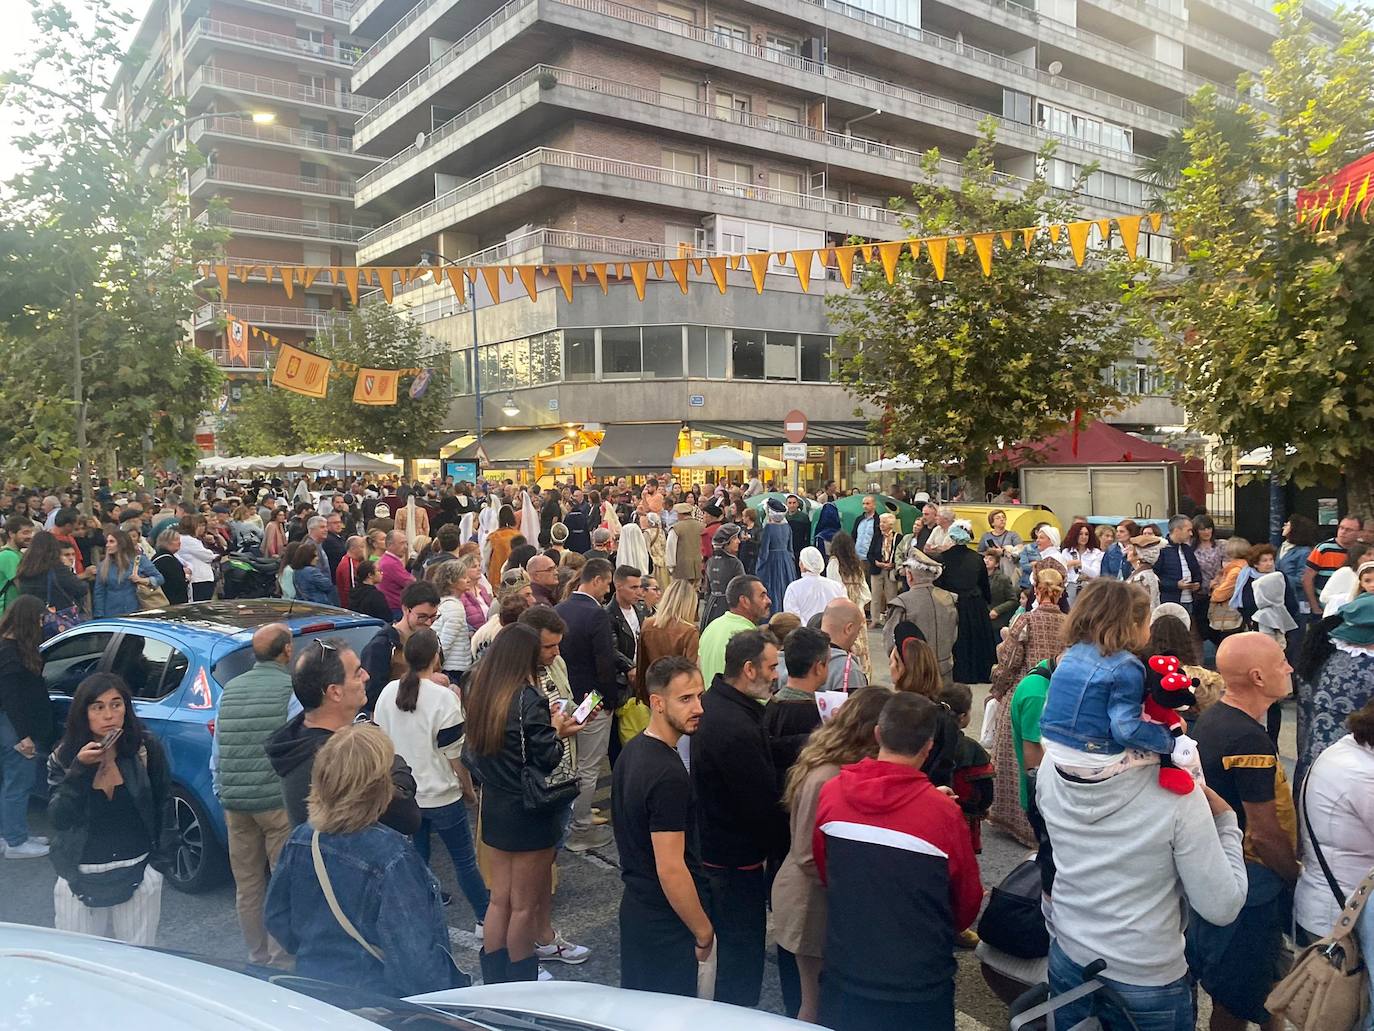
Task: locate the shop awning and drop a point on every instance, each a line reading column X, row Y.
column 769, row 432
column 511, row 447
column 637, row 447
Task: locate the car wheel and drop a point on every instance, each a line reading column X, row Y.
column 198, row 862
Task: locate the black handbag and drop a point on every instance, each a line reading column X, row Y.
column 541, row 792
column 1013, row 921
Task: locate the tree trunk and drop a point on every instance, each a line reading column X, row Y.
column 1359, row 485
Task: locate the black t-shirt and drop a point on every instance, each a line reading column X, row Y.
column 1242, row 765
column 651, row 791
column 114, row 830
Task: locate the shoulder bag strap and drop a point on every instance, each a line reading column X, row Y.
column 329, row 897
column 1331, row 881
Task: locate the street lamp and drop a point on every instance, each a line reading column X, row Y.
column 433, row 258
column 508, row 407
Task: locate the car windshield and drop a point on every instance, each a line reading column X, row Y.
column 241, row 659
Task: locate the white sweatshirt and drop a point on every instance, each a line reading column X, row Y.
column 426, row 739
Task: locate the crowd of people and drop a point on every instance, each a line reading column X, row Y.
column 714, row 647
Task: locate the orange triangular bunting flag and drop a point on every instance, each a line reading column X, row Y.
column 222, row 277
column 1129, row 228
column 658, row 269
column 288, row 280
column 758, row 268
column 350, row 274
column 599, row 270
column 459, row 284
column 960, row 245
column 982, row 244
column 1055, row 230
column 1006, row 239
column 492, row 277
column 243, row 272
column 697, row 265
column 1155, row 219
column 889, row 253
column 509, row 272
column 866, row 250
column 386, row 280
column 1028, row 237
column 1078, row 240
column 801, row 261
column 1104, row 227
column 844, row 261
column 527, row 277
column 678, row 268
column 938, row 249
column 308, row 277
column 718, row 266
column 639, row 274
column 438, row 275
column 564, row 274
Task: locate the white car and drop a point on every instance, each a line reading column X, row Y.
column 56, row 979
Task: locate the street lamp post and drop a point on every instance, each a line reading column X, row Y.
column 435, row 258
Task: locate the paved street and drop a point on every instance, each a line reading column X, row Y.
column 584, row 910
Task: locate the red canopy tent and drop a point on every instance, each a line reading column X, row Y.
column 1102, row 444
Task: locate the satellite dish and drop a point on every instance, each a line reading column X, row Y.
column 1055, row 68
column 420, row 140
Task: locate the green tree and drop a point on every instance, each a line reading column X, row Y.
column 97, row 264
column 273, row 421
column 962, row 367
column 1270, row 336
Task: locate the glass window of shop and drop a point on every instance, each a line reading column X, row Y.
column 460, row 371
column 747, row 354
column 780, row 357
column 546, row 358
column 707, row 348
column 579, row 355
column 662, row 352
column 815, row 358
column 620, row 358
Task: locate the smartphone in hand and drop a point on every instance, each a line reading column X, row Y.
column 107, row 742
column 588, row 706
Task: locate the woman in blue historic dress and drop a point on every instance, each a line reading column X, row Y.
column 827, row 525
column 776, row 566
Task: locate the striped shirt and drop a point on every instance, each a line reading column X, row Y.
column 1325, row 559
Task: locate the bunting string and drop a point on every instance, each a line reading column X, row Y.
column 1123, row 231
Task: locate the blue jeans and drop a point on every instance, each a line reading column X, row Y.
column 450, row 822
column 17, row 774
column 1167, row 1007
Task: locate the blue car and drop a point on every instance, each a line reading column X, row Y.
column 176, row 661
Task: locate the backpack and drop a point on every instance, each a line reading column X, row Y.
column 1013, row 920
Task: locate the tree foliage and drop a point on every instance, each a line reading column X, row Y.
column 1270, row 338
column 965, row 366
column 95, row 246
column 275, row 421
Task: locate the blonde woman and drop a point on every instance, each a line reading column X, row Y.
column 845, row 568
column 799, row 909
column 671, row 630
column 382, row 887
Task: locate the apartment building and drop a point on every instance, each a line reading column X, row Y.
column 269, row 104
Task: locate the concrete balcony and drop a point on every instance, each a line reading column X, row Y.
column 268, row 316
column 339, row 148
column 410, row 29
column 328, row 10
column 225, row 80
column 521, row 185
column 208, row 35
column 247, row 223
column 257, row 360
column 371, row 18
column 207, row 180
column 1154, row 17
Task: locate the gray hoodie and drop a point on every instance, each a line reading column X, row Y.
column 1127, row 855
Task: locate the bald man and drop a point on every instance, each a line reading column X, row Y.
column 843, row 621
column 252, row 706
column 1239, row 964
column 543, row 574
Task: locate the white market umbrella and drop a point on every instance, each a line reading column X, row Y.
column 352, row 461
column 726, row 457
column 895, row 464
column 582, row 459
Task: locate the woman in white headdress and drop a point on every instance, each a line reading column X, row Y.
column 633, row 550
column 528, row 518
column 813, row 591
column 486, row 525
column 656, row 540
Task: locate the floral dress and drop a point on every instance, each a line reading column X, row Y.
column 1344, row 684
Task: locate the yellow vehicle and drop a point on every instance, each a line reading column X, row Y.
column 1020, row 518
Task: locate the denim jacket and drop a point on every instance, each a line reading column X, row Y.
column 117, row 595
column 384, row 888
column 1094, row 704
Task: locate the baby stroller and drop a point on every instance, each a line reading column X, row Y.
column 248, row 576
column 1034, row 1011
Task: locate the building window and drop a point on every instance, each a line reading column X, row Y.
column 678, row 93
column 780, row 357
column 310, row 40
column 737, row 178
column 460, row 371
column 1016, row 107
column 784, row 112
column 707, row 347
column 620, row 357
column 786, row 44
column 787, row 182
column 730, row 33
column 747, row 354
column 579, row 355
column 815, row 359
column 546, row 354
column 731, row 106
column 662, row 352
column 683, row 241
column 1074, row 126
column 678, row 12
column 683, row 161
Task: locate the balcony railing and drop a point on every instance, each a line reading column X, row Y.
column 246, row 129
column 333, row 53
column 254, row 177
column 255, row 273
column 337, row 10
column 295, row 92
column 269, row 315
column 653, row 174
column 1157, row 12
column 257, row 360
column 703, row 109
column 277, row 225
column 385, row 39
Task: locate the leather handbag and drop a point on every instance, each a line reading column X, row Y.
column 457, row 979
column 57, row 620
column 1328, row 987
column 541, row 792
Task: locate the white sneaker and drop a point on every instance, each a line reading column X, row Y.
column 39, row 838
column 544, row 975
column 560, row 950
column 31, row 849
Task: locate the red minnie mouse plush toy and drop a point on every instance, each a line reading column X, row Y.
column 1168, row 689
